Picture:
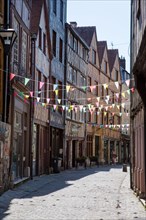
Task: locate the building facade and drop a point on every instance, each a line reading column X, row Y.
column 42, row 69
column 57, row 20
column 76, row 78
column 19, row 114
column 138, row 98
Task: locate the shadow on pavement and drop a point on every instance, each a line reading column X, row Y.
column 46, row 184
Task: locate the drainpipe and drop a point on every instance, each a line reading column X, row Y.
column 31, row 121
column 131, row 120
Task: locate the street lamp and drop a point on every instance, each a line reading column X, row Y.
column 8, row 37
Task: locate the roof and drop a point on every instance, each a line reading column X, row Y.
column 35, row 15
column 86, row 33
column 111, row 57
column 101, row 47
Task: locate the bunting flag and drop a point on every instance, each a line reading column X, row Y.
column 31, row 94
column 98, row 99
column 123, row 105
column 41, row 84
column 84, row 88
column 98, row 113
column 118, row 106
column 128, row 91
column 26, row 80
column 55, row 86
column 67, row 88
column 54, row 106
column 97, row 104
column 127, row 82
column 59, row 101
column 132, row 90
column 113, row 105
column 105, row 113
column 12, row 75
column 38, row 99
column 56, row 92
column 105, row 86
column 63, row 107
column 120, row 113
column 117, row 85
column 117, row 95
column 26, row 96
column 106, row 108
column 106, row 100
column 43, row 104
column 48, row 100
column 108, row 97
column 123, row 94
column 81, row 107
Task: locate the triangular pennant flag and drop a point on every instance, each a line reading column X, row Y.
column 67, row 88
column 123, row 105
column 59, row 101
column 105, row 86
column 97, row 104
column 38, row 99
column 26, row 80
column 43, row 104
column 81, row 107
column 118, row 106
column 54, row 106
column 120, row 113
column 12, row 75
column 56, row 92
column 98, row 113
column 84, row 88
column 113, row 105
column 106, row 108
column 123, row 94
column 98, row 99
column 48, row 100
column 55, row 86
column 132, row 90
column 128, row 91
column 41, row 84
column 63, row 107
column 117, row 85
column 117, row 95
column 31, row 94
column 76, row 109
column 106, row 100
column 127, row 82
column 26, row 96
column 108, row 97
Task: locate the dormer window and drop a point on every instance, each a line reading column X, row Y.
column 94, row 57
column 105, row 66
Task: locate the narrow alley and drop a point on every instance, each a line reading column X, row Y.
column 90, row 194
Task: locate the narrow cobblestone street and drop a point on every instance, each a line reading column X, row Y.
column 94, row 193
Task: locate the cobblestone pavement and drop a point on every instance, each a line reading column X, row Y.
column 89, row 194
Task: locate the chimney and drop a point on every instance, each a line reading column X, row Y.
column 73, row 24
column 123, row 62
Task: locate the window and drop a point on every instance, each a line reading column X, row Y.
column 68, row 112
column 24, row 50
column 71, row 41
column 1, row 7
column 61, row 11
column 82, row 81
column 116, row 75
column 70, row 73
column 44, row 43
column 16, row 46
column 54, row 6
column 54, row 43
column 105, row 66
column 40, row 38
column 60, row 50
column 96, row 89
column 93, row 56
column 74, row 76
column 75, row 45
column 84, row 54
column 89, row 145
column 89, row 83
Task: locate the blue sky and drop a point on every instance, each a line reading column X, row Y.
column 111, row 18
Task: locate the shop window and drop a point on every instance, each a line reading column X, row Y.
column 94, row 57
